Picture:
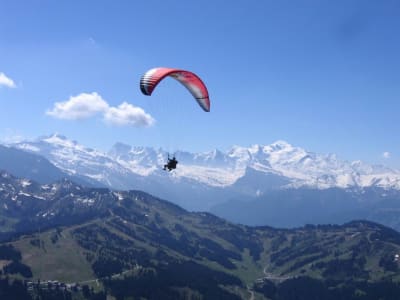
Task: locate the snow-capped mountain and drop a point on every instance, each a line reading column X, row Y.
column 308, row 169
column 258, row 185
column 74, row 159
column 215, row 168
column 27, row 206
column 21, row 196
column 302, row 167
column 34, row 166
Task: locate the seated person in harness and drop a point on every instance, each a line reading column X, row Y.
column 171, row 164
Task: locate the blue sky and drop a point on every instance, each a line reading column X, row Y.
column 322, row 75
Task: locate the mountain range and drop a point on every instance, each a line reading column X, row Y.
column 300, row 168
column 257, row 185
column 129, row 244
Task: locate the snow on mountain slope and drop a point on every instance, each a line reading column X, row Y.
column 76, row 159
column 211, row 168
column 314, row 170
column 124, row 163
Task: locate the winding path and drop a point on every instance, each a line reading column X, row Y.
column 273, row 277
column 251, row 292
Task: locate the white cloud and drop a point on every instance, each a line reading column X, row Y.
column 79, row 107
column 386, row 154
column 6, row 81
column 127, row 114
column 85, row 105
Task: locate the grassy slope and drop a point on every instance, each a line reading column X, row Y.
column 66, row 261
column 63, row 260
column 285, row 254
column 302, row 250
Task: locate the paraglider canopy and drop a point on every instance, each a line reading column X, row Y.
column 191, row 81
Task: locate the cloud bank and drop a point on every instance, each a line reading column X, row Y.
column 78, row 107
column 6, row 81
column 127, row 114
column 85, row 105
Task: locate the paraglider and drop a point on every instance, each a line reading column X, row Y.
column 191, row 81
column 171, row 164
